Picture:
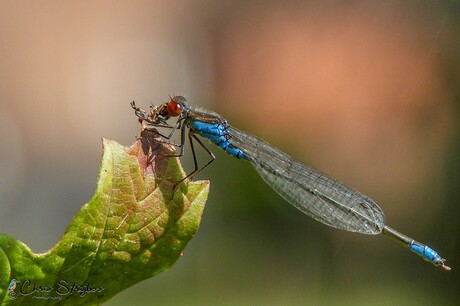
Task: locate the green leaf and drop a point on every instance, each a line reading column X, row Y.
column 135, row 226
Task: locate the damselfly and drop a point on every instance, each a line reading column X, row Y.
column 306, row 188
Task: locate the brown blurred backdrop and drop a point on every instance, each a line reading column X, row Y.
column 368, row 92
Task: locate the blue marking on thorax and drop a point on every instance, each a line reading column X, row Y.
column 218, row 134
column 216, row 129
column 426, row 252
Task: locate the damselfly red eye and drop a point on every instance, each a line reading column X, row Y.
column 174, row 108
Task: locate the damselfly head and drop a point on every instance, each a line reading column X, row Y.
column 176, row 106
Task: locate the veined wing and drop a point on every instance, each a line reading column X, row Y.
column 310, row 190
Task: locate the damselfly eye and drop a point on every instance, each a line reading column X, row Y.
column 174, row 109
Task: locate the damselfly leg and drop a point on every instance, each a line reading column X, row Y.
column 191, row 137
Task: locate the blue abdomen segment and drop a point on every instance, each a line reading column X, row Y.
column 218, row 134
column 425, row 252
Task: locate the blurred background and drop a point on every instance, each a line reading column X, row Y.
column 366, row 91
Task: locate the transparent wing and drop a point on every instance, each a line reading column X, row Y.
column 310, row 190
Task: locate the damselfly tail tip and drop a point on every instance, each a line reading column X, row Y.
column 443, row 265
